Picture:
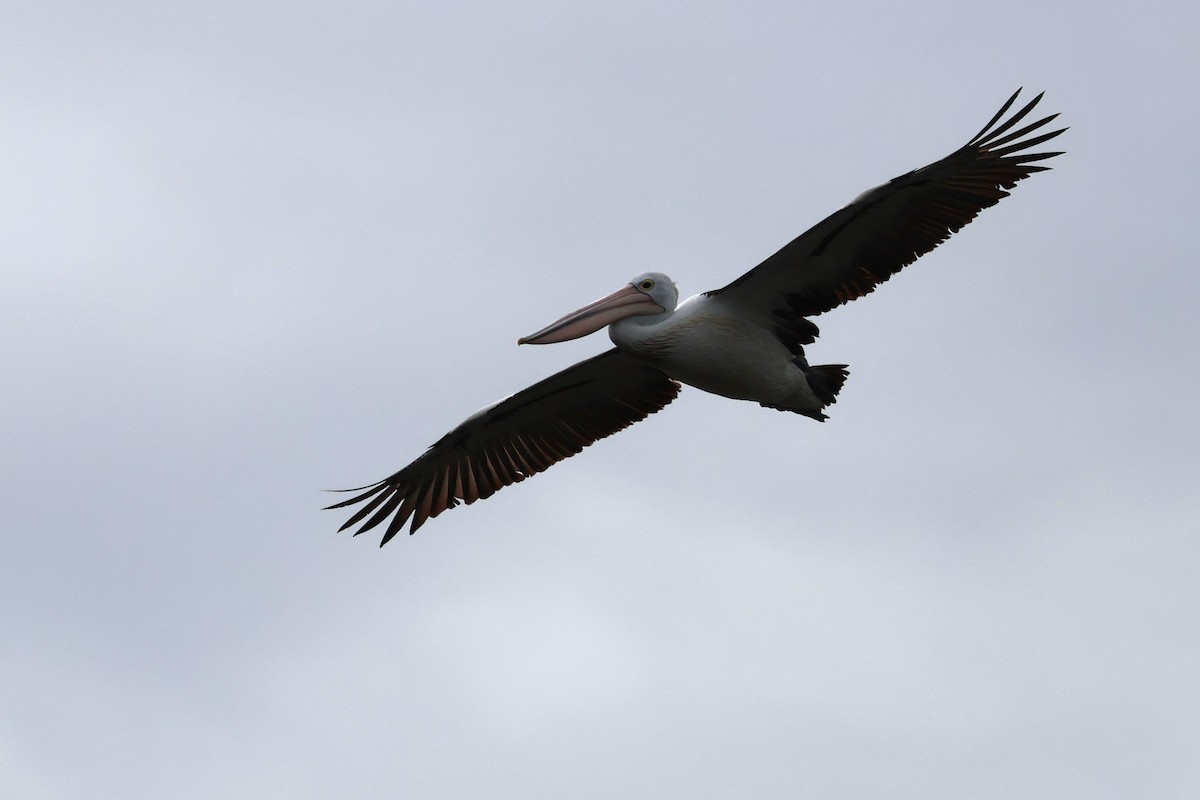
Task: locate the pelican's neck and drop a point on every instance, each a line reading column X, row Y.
column 645, row 335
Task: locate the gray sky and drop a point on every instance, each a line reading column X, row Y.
column 252, row 251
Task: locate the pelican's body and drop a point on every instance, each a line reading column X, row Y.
column 744, row 341
column 708, row 345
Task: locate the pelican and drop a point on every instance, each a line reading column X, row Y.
column 744, row 341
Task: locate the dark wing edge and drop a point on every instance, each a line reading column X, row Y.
column 887, row 228
column 520, row 436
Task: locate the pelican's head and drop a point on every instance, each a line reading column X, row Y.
column 649, row 294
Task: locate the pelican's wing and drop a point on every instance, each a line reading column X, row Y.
column 887, row 228
column 517, row 437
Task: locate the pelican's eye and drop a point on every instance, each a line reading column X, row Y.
column 646, row 285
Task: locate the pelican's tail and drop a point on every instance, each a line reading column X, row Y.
column 826, row 381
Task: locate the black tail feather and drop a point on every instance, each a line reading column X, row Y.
column 826, row 381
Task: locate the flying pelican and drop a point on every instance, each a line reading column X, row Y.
column 744, row 341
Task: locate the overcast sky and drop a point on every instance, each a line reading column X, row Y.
column 253, row 251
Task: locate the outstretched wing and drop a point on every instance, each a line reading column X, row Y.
column 887, row 228
column 517, row 437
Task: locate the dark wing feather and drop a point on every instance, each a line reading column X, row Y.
column 887, row 228
column 517, row 437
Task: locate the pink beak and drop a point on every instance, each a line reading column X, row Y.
column 627, row 302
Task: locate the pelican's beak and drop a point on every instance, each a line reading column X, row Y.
column 627, row 302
